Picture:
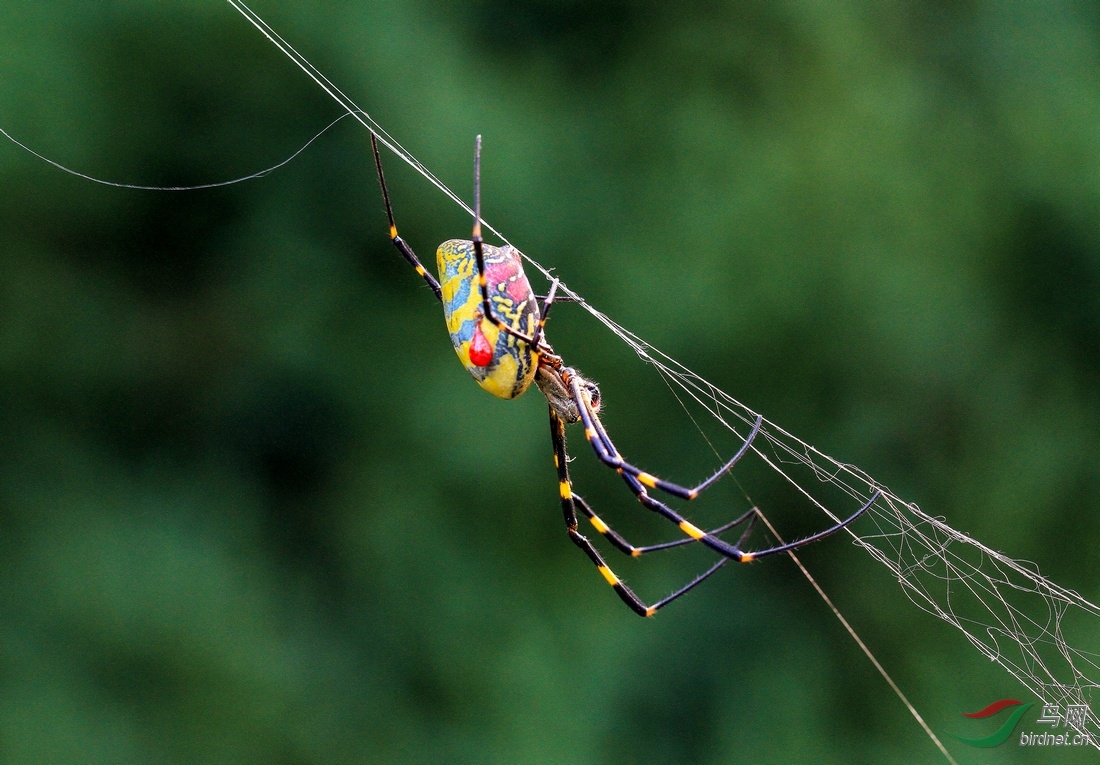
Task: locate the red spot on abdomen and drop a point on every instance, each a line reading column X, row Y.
column 481, row 353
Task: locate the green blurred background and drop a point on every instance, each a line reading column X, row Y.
column 251, row 509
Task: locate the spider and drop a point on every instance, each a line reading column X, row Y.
column 497, row 327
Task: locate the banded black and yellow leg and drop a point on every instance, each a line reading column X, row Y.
column 609, row 455
column 622, row 545
column 402, row 246
column 569, row 503
column 736, row 552
column 639, row 481
column 544, row 313
column 479, row 257
column 561, row 462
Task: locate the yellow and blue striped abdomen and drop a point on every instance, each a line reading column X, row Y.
column 501, row 363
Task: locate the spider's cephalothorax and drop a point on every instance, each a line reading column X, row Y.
column 554, row 381
column 498, row 330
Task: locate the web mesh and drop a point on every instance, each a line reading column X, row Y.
column 1005, row 607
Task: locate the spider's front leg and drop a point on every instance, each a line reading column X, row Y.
column 401, row 245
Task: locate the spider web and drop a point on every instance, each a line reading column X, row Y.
column 1005, row 607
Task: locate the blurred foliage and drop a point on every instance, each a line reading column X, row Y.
column 253, row 511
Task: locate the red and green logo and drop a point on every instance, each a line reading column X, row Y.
column 1001, row 734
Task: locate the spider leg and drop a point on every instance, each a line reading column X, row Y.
column 639, row 480
column 622, row 545
column 402, row 247
column 609, row 455
column 568, row 506
column 479, row 255
column 544, row 312
column 561, row 299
